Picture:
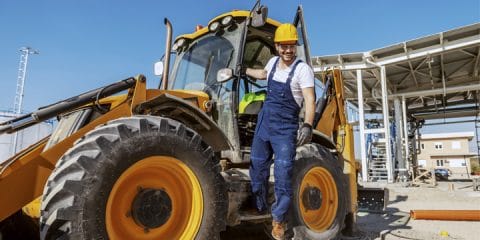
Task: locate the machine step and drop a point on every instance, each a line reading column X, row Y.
column 252, row 216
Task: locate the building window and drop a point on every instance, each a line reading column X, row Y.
column 440, row 163
column 456, row 145
column 422, row 146
column 438, row 145
column 457, row 162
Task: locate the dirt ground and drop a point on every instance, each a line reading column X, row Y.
column 395, row 222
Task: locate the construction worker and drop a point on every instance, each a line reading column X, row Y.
column 290, row 82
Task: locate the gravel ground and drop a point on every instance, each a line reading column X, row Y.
column 395, row 222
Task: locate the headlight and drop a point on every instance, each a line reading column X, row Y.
column 213, row 26
column 227, row 20
column 181, row 42
column 175, row 47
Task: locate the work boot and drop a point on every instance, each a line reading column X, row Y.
column 278, row 231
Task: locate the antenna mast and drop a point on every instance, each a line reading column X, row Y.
column 17, row 105
column 22, row 70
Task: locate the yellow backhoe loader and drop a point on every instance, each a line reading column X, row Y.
column 126, row 162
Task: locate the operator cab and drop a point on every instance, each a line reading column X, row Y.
column 218, row 50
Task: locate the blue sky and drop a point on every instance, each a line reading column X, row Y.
column 90, row 43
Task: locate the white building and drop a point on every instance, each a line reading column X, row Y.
column 446, row 150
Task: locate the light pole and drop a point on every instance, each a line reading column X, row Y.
column 22, row 71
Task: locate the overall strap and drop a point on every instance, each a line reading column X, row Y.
column 288, row 90
column 290, row 75
column 272, row 72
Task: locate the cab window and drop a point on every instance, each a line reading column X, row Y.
column 256, row 55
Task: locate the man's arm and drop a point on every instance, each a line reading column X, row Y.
column 305, row 132
column 259, row 74
column 309, row 102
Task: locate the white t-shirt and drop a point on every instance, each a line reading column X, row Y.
column 302, row 77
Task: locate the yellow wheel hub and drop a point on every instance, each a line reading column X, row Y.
column 318, row 199
column 156, row 198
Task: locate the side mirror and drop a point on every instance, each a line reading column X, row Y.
column 259, row 16
column 158, row 68
column 224, row 75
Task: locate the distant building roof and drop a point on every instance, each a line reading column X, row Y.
column 468, row 135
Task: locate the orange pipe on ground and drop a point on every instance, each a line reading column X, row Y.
column 452, row 215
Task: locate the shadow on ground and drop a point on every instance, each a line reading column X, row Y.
column 378, row 224
column 372, row 225
column 245, row 231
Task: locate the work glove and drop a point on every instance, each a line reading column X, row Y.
column 304, row 134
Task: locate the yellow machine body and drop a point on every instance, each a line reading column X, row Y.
column 23, row 177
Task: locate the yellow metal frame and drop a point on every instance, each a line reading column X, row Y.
column 334, row 122
column 350, row 164
column 24, row 178
column 334, row 114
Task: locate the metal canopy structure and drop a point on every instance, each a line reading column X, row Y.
column 433, row 77
column 435, row 73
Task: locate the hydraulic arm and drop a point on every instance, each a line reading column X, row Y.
column 47, row 112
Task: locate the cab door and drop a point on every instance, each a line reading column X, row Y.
column 303, row 50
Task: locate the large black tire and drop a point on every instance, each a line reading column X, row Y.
column 325, row 221
column 75, row 198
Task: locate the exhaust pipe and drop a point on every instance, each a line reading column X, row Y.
column 168, row 48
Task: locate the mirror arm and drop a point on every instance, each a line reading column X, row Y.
column 156, row 73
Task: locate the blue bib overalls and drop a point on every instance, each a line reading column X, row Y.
column 275, row 134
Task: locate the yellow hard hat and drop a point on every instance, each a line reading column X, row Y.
column 286, row 33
